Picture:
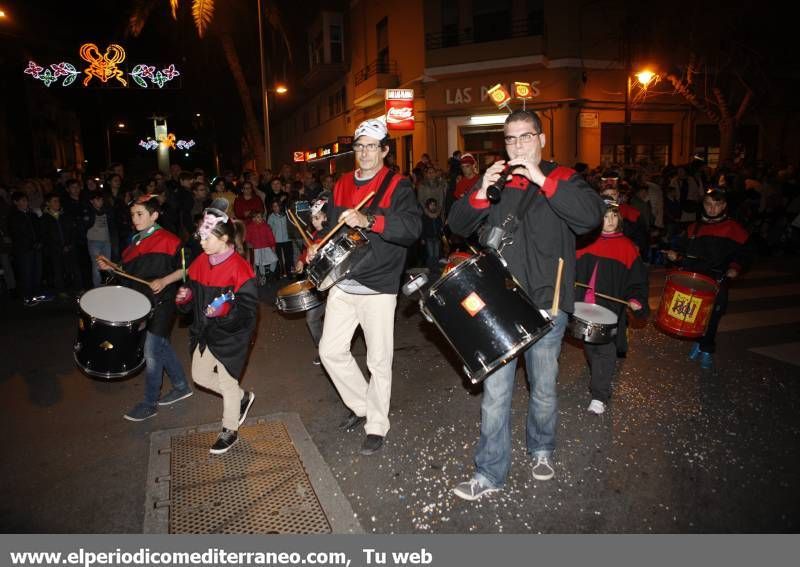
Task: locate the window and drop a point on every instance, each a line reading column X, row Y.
column 382, row 34
column 650, row 143
column 315, row 51
column 337, row 46
column 450, row 14
column 535, row 17
column 491, row 20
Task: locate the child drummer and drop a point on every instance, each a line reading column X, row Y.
column 718, row 247
column 610, row 265
column 319, row 220
column 155, row 255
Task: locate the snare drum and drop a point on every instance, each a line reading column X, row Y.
column 340, row 255
column 484, row 314
column 686, row 305
column 112, row 327
column 593, row 323
column 297, row 297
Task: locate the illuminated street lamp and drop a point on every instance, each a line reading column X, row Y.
column 645, row 77
column 281, row 89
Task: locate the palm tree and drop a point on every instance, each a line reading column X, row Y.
column 203, row 14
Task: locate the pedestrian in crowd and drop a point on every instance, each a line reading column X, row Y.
column 432, row 233
column 100, row 231
column 261, row 241
column 278, row 223
column 59, row 255
column 247, row 204
column 26, row 248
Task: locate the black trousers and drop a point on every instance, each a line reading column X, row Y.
column 314, row 321
column 285, row 253
column 602, row 363
column 708, row 340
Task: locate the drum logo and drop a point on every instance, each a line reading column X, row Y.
column 473, row 304
column 684, row 307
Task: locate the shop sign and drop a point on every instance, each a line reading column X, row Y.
column 400, row 109
column 298, row 157
column 589, row 120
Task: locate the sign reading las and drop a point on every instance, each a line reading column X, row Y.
column 467, row 95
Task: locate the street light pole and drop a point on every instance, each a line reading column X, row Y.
column 627, row 132
column 265, row 91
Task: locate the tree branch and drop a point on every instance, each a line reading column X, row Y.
column 682, row 89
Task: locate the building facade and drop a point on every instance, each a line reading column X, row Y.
column 451, row 52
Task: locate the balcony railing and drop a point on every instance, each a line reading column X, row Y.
column 530, row 26
column 377, row 67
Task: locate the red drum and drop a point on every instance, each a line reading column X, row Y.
column 686, row 305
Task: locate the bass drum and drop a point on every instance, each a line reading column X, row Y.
column 484, row 314
column 112, row 327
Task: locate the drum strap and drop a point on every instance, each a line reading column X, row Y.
column 498, row 238
column 381, row 192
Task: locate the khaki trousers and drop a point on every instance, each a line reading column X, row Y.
column 375, row 313
column 221, row 382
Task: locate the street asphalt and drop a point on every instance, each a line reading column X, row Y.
column 680, row 450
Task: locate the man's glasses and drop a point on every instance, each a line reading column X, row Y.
column 526, row 138
column 366, row 147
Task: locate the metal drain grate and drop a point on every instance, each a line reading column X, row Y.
column 259, row 486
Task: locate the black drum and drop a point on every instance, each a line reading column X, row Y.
column 484, row 314
column 111, row 331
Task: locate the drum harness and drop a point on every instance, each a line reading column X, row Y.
column 498, row 237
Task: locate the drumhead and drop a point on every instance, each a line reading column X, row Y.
column 295, row 287
column 115, row 303
column 693, row 281
column 594, row 313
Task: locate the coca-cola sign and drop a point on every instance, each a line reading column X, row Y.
column 400, row 109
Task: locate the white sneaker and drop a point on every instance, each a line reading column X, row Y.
column 543, row 470
column 473, row 489
column 596, row 407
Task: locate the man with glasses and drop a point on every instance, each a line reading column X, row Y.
column 368, row 295
column 565, row 206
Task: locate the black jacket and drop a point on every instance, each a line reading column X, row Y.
column 228, row 337
column 617, row 269
column 23, row 227
column 566, row 206
column 154, row 257
column 398, row 224
column 711, row 248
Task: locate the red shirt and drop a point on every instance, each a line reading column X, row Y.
column 243, row 208
column 259, row 235
column 464, row 185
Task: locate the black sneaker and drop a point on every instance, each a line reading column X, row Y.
column 372, row 444
column 247, row 400
column 352, row 421
column 225, row 441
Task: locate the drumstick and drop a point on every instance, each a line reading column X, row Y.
column 557, row 294
column 604, row 296
column 300, row 228
column 130, row 277
column 339, row 225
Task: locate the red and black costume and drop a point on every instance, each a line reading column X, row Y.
column 712, row 246
column 154, row 253
column 227, row 336
column 611, row 265
column 398, row 224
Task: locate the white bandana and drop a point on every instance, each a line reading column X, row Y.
column 373, row 128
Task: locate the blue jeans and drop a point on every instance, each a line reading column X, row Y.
column 493, row 455
column 160, row 356
column 98, row 247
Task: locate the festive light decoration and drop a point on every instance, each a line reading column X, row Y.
column 148, row 144
column 169, row 142
column 103, row 67
column 51, row 75
column 523, row 91
column 499, row 95
column 160, row 78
